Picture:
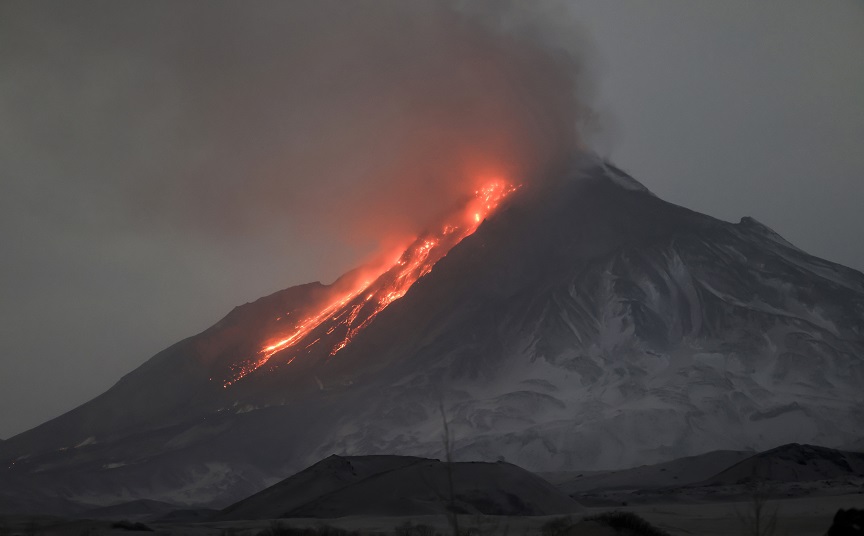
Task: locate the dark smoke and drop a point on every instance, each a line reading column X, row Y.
column 348, row 121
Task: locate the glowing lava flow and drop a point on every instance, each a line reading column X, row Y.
column 339, row 321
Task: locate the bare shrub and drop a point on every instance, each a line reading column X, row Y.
column 759, row 518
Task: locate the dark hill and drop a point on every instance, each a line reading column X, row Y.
column 793, row 463
column 400, row 485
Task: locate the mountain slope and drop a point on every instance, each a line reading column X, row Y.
column 679, row 472
column 786, row 471
column 586, row 324
column 399, row 485
column 793, row 463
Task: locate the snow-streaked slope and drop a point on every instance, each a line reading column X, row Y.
column 586, row 325
column 611, row 328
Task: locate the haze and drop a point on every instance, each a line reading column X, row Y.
column 161, row 164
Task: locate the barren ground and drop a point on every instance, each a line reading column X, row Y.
column 809, row 516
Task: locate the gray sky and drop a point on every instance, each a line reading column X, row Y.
column 162, row 164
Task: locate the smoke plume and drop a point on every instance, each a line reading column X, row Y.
column 348, row 121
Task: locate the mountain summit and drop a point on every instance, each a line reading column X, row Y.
column 583, row 324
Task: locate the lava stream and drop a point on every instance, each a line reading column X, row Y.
column 339, row 321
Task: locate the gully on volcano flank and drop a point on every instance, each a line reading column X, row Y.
column 339, row 320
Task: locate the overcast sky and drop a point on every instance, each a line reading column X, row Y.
column 163, row 162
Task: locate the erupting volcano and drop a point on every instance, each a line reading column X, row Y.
column 586, row 324
column 339, row 320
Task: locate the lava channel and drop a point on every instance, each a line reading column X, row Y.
column 339, row 321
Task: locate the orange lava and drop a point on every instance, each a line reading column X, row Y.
column 338, row 322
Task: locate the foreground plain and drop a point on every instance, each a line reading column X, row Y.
column 807, row 516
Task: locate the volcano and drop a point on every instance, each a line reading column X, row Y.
column 573, row 323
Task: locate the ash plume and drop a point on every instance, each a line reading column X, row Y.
column 348, row 121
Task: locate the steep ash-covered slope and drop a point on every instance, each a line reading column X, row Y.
column 586, row 324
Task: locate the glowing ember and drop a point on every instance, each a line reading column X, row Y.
column 339, row 321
